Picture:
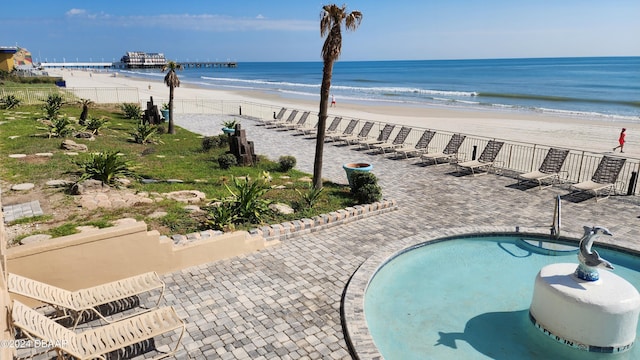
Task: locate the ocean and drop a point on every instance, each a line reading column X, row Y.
column 589, row 87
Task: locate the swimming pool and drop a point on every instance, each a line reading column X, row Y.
column 466, row 297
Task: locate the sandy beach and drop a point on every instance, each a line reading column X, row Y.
column 597, row 135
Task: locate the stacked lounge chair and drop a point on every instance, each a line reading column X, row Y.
column 75, row 304
column 100, row 342
column 292, row 116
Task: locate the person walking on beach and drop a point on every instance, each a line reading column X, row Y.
column 621, row 140
column 333, row 100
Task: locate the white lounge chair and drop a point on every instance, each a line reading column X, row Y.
column 96, row 343
column 75, row 304
column 397, row 142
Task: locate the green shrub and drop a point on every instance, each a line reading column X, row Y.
column 365, row 187
column 131, row 111
column 213, row 142
column 106, row 167
column 9, row 102
column 287, row 163
column 227, row 160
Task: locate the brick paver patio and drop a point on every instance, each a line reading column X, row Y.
column 284, row 302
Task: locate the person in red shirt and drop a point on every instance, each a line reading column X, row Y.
column 621, row 140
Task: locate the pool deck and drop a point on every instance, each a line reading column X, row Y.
column 284, row 302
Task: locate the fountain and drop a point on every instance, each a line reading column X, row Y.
column 582, row 308
column 459, row 293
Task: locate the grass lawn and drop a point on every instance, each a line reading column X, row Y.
column 179, row 156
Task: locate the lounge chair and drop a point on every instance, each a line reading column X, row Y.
column 348, row 131
column 550, row 168
column 486, row 159
column 299, row 124
column 397, row 142
column 75, row 304
column 381, row 139
column 307, row 130
column 604, row 178
column 364, row 132
column 331, row 129
column 96, row 343
column 276, row 118
column 420, row 147
column 450, row 151
column 292, row 116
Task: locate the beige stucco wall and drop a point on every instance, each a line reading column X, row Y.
column 99, row 256
column 5, row 332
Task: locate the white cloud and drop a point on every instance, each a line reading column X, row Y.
column 76, row 12
column 199, row 22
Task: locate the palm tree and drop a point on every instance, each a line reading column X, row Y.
column 172, row 81
column 331, row 20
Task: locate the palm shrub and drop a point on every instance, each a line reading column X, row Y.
column 144, row 133
column 131, row 111
column 213, row 142
column 52, row 106
column 106, row 167
column 85, row 110
column 286, row 163
column 9, row 102
column 365, row 187
column 227, row 160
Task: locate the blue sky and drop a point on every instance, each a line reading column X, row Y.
column 288, row 30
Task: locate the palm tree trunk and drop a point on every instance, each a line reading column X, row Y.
column 327, row 72
column 171, row 130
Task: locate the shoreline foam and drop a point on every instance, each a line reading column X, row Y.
column 596, row 135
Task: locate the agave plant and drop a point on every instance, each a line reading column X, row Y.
column 9, row 102
column 94, row 124
column 144, row 133
column 106, row 167
column 52, row 106
column 247, row 201
column 221, row 216
column 60, row 127
column 311, row 196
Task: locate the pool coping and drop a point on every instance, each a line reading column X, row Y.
column 356, row 331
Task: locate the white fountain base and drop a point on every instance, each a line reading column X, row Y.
column 598, row 316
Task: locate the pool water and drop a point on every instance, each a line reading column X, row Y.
column 469, row 299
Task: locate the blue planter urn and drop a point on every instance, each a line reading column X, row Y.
column 349, row 168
